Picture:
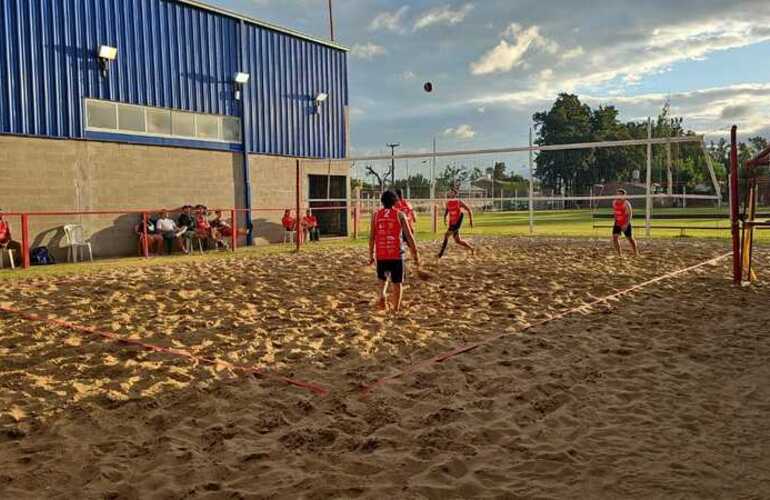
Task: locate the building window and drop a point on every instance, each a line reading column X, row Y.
column 105, row 116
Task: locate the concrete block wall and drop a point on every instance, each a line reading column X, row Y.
column 44, row 175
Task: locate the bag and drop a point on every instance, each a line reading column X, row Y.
column 39, row 256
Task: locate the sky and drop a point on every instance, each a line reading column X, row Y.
column 493, row 63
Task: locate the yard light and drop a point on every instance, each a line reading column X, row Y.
column 107, row 54
column 319, row 100
column 241, row 79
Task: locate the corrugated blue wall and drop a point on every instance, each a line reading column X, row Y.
column 170, row 55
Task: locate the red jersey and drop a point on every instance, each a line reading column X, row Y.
column 5, row 231
column 621, row 216
column 289, row 223
column 405, row 207
column 310, row 221
column 387, row 234
column 454, row 210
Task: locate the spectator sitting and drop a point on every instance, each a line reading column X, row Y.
column 310, row 227
column 288, row 222
column 6, row 240
column 154, row 238
column 202, row 226
column 186, row 224
column 168, row 230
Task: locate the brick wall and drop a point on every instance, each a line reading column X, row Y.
column 60, row 175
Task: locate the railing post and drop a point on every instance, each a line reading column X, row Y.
column 435, row 217
column 234, row 230
column 25, row 241
column 145, row 243
column 299, row 208
column 355, row 222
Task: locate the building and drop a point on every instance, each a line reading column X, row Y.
column 143, row 104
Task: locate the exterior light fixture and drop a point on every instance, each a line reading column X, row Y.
column 240, row 79
column 319, row 99
column 107, row 54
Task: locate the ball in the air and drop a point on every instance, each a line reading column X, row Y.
column 428, row 87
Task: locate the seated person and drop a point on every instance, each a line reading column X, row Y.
column 202, row 226
column 6, row 240
column 289, row 223
column 168, row 230
column 310, row 227
column 186, row 224
column 154, row 239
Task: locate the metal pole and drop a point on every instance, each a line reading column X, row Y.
column 25, row 241
column 408, row 191
column 531, row 189
column 734, row 205
column 298, row 222
column 234, row 230
column 245, row 144
column 393, row 163
column 145, row 243
column 433, row 174
column 331, row 20
column 648, row 208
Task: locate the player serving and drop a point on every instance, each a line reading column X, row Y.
column 454, row 211
column 388, row 228
column 623, row 215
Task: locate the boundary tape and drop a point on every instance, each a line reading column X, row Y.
column 367, row 388
column 180, row 353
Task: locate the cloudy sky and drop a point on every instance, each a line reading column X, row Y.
column 495, row 62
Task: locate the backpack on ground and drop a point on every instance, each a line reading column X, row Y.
column 39, row 256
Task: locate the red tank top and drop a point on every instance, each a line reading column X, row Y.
column 621, row 217
column 454, row 210
column 387, row 234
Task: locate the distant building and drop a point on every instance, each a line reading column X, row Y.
column 109, row 105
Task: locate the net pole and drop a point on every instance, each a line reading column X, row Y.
column 648, row 208
column 734, row 208
column 531, row 189
column 298, row 223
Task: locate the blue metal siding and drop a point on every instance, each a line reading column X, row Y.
column 170, row 55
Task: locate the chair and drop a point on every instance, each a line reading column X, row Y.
column 288, row 235
column 4, row 250
column 77, row 239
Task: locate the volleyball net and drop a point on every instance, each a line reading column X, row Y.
column 672, row 183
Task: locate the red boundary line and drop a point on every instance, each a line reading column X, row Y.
column 366, row 389
column 113, row 337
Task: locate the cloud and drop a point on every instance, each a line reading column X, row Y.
column 461, row 132
column 367, row 51
column 737, row 111
column 443, row 15
column 509, row 53
column 408, row 75
column 389, row 21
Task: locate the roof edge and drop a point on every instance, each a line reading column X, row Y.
column 273, row 27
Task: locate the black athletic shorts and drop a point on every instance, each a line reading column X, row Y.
column 394, row 269
column 629, row 232
column 455, row 228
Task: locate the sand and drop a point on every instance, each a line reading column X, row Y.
column 662, row 394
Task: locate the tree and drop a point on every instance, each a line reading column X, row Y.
column 382, row 178
column 568, row 121
column 452, row 176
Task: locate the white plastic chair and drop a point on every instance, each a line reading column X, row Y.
column 6, row 250
column 288, row 236
column 76, row 241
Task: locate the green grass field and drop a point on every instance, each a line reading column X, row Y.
column 581, row 223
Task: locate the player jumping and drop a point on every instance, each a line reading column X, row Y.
column 454, row 210
column 623, row 215
column 388, row 228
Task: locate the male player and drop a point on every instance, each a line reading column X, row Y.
column 403, row 205
column 388, row 228
column 623, row 215
column 454, row 210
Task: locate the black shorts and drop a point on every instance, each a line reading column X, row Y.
column 629, row 232
column 455, row 228
column 395, row 269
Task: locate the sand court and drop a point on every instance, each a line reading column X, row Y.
column 649, row 395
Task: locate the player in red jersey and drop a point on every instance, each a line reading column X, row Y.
column 454, row 210
column 623, row 217
column 403, row 205
column 388, row 228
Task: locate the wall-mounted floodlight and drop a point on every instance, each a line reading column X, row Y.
column 319, row 99
column 241, row 79
column 107, row 54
